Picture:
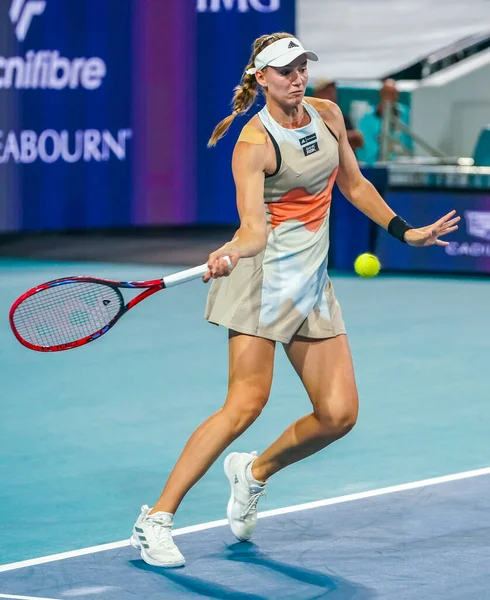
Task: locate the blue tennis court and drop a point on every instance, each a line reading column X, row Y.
column 89, row 435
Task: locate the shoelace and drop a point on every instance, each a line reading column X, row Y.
column 161, row 530
column 251, row 505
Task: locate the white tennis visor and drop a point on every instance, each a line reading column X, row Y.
column 280, row 54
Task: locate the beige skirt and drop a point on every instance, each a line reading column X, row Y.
column 236, row 302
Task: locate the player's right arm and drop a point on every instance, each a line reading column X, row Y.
column 248, row 165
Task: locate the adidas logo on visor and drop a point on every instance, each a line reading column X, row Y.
column 292, row 45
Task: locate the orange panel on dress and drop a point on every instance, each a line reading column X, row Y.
column 297, row 204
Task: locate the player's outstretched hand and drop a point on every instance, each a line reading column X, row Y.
column 429, row 235
column 218, row 265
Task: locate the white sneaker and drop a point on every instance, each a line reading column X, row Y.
column 134, row 540
column 242, row 506
column 152, row 534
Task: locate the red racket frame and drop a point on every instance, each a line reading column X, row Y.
column 152, row 286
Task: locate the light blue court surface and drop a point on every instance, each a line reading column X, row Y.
column 89, row 435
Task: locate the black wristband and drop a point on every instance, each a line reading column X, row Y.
column 397, row 228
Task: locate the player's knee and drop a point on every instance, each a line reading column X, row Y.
column 244, row 407
column 246, row 415
column 341, row 419
column 346, row 422
column 252, row 412
column 344, row 419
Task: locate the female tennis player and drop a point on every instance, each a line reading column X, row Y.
column 285, row 162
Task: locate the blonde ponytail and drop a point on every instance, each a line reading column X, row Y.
column 245, row 93
column 243, row 100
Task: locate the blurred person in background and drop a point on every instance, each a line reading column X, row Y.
column 327, row 90
column 370, row 124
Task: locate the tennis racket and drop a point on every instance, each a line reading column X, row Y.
column 73, row 311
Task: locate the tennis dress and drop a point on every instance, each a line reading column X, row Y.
column 285, row 290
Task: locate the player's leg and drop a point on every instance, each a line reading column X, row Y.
column 251, row 362
column 326, row 370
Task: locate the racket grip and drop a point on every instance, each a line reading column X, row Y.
column 189, row 274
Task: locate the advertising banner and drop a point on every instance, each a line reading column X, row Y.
column 65, row 113
column 106, row 108
column 469, row 246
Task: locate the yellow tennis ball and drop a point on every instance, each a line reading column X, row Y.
column 367, row 265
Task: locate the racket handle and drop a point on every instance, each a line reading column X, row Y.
column 189, row 274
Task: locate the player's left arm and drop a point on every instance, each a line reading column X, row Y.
column 364, row 196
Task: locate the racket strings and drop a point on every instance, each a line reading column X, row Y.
column 66, row 313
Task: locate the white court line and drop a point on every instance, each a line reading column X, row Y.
column 24, row 597
column 269, row 513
